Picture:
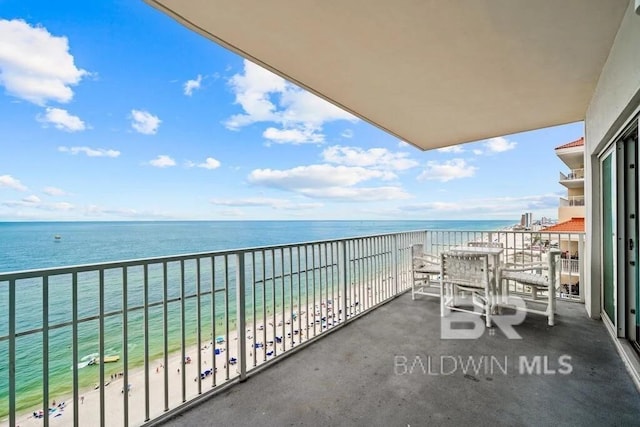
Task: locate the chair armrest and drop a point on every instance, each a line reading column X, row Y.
column 427, row 258
column 524, row 267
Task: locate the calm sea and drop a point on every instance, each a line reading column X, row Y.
column 31, row 245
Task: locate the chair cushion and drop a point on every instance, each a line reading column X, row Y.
column 527, row 278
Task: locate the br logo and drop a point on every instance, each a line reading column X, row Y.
column 467, row 326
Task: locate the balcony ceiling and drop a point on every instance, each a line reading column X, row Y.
column 572, row 157
column 432, row 73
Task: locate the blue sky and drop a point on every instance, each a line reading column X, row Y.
column 113, row 111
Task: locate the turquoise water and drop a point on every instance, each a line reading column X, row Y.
column 25, row 246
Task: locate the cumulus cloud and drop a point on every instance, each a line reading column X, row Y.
column 451, row 149
column 315, row 176
column 210, row 163
column 329, row 182
column 144, row 122
column 191, row 85
column 35, row 65
column 62, row 120
column 266, row 97
column 7, row 181
column 496, row 145
column 447, row 171
column 293, row 136
column 500, row 144
column 377, row 158
column 91, row 152
column 162, row 161
column 53, row 191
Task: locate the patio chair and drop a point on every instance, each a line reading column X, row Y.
column 539, row 280
column 463, row 274
column 425, row 270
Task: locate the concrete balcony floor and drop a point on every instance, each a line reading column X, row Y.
column 356, row 376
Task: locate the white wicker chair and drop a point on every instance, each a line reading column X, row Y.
column 426, row 269
column 467, row 273
column 536, row 277
column 485, row 244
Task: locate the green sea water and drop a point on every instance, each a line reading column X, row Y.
column 25, row 246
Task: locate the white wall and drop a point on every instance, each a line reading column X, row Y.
column 614, row 102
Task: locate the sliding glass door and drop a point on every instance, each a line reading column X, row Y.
column 619, row 225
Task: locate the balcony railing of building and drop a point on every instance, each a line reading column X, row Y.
column 572, row 201
column 573, row 174
column 184, row 326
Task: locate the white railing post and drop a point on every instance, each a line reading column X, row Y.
column 240, row 312
column 395, row 264
column 345, row 284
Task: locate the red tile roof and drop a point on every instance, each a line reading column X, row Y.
column 573, row 225
column 576, row 143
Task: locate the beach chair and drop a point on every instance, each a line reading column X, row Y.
column 425, row 272
column 538, row 280
column 466, row 284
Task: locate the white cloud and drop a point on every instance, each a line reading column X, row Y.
column 266, row 97
column 347, row 133
column 32, row 199
column 315, row 176
column 53, row 191
column 144, row 122
column 499, row 144
column 266, row 202
column 210, row 163
column 162, row 161
column 91, row 152
column 34, row 202
column 62, row 120
column 8, row 181
column 447, row 171
column 192, row 85
column 477, row 152
column 329, row 182
column 489, row 207
column 35, row 65
column 358, row 194
column 451, row 149
column 377, row 158
column 293, row 136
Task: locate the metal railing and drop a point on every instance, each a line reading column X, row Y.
column 129, row 342
column 520, row 247
column 570, row 266
column 138, row 338
column 572, row 201
column 573, row 174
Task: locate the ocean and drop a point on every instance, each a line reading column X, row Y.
column 31, row 245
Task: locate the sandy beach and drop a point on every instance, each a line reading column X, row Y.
column 279, row 334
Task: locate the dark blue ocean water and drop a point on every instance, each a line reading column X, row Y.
column 31, row 245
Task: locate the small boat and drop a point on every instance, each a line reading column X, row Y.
column 57, row 238
column 106, row 359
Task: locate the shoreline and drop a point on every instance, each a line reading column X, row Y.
column 175, row 371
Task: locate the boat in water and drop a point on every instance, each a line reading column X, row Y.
column 106, row 359
column 57, row 238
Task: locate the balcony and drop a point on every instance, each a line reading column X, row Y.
column 176, row 329
column 572, row 201
column 390, row 367
column 574, row 179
